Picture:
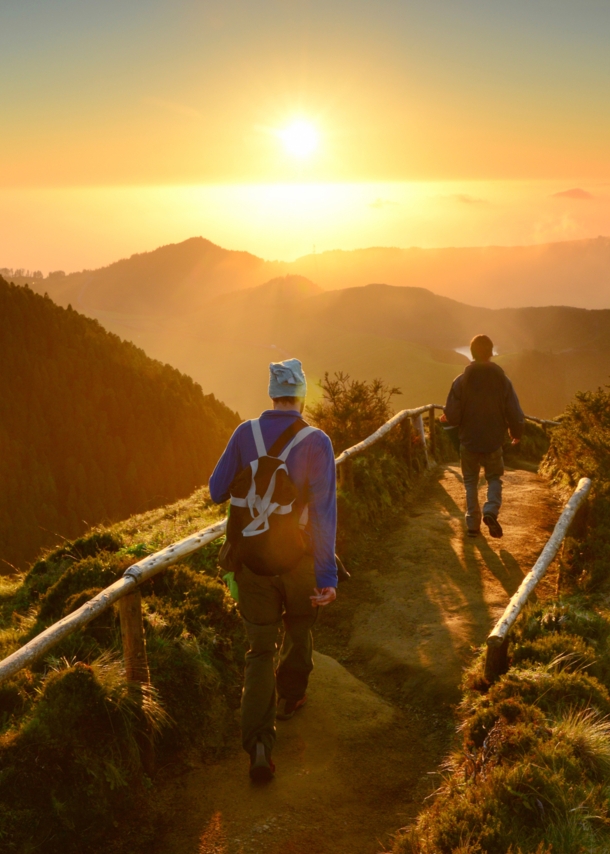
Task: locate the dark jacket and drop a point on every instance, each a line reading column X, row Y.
column 482, row 403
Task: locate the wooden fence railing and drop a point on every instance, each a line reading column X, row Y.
column 497, row 642
column 126, row 591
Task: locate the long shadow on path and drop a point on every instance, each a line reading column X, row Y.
column 442, row 592
column 353, row 764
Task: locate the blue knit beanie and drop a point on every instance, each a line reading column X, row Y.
column 286, row 379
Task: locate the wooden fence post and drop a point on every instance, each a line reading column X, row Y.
column 132, row 634
column 407, row 439
column 136, row 665
column 496, row 660
column 418, row 424
column 431, row 426
column 346, row 475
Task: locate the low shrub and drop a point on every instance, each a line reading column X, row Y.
column 532, row 769
column 71, row 728
column 580, row 447
column 383, row 477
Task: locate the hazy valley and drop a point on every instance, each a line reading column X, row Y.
column 221, row 316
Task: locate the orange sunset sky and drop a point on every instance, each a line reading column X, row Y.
column 131, row 124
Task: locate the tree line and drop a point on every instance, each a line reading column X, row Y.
column 91, row 429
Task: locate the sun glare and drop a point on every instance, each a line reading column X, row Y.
column 300, row 138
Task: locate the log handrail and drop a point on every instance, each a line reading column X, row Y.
column 497, row 639
column 131, row 579
column 385, row 428
column 149, row 566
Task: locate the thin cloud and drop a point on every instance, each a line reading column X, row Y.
column 465, row 199
column 180, row 109
column 382, row 203
column 576, row 193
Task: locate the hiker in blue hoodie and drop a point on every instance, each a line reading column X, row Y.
column 291, row 599
column 482, row 404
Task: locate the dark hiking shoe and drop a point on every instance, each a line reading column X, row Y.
column 473, row 532
column 495, row 528
column 262, row 767
column 287, row 708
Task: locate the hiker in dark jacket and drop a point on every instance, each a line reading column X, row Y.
column 292, row 598
column 482, row 403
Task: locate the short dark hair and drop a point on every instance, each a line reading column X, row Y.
column 294, row 401
column 481, row 347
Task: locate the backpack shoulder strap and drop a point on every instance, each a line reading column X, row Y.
column 286, row 435
column 261, row 450
column 302, row 434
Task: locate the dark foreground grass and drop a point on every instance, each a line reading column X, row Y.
column 71, row 772
column 531, row 769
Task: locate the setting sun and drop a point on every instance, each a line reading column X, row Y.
column 300, row 138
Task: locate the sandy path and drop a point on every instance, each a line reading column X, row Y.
column 354, row 764
column 441, row 591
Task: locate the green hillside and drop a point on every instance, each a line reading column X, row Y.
column 91, row 429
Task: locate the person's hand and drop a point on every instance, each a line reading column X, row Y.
column 443, row 418
column 515, row 441
column 323, row 596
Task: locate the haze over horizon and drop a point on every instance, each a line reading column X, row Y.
column 276, row 128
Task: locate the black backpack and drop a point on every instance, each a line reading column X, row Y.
column 264, row 525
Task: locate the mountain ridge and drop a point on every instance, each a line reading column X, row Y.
column 210, row 315
column 557, row 273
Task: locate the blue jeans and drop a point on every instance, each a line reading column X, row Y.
column 493, row 466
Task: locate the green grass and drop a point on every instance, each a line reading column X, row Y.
column 71, row 728
column 531, row 768
column 530, row 771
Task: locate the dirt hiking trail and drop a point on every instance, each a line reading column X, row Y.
column 355, row 763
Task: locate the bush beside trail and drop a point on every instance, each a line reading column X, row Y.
column 71, row 772
column 531, row 768
column 349, row 411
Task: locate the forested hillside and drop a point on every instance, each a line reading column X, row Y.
column 91, row 429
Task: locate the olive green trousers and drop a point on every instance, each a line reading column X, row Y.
column 268, row 603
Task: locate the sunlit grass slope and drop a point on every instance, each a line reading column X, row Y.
column 71, row 731
column 530, row 771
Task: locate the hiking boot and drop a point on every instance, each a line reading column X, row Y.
column 473, row 532
column 262, row 767
column 495, row 528
column 287, row 708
